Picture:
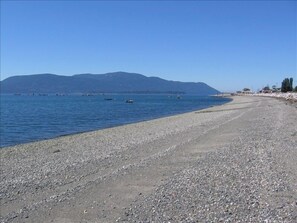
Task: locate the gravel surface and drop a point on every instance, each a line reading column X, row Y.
column 289, row 96
column 231, row 163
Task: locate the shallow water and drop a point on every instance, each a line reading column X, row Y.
column 30, row 118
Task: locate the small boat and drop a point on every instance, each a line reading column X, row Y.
column 129, row 101
column 88, row 94
column 108, row 99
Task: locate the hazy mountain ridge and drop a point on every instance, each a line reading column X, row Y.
column 99, row 83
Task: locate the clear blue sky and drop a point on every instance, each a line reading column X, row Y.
column 227, row 44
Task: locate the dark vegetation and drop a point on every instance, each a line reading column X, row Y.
column 287, row 85
column 117, row 82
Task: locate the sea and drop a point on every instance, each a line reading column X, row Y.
column 29, row 118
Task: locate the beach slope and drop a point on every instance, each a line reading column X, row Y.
column 235, row 162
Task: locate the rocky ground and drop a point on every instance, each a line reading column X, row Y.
column 289, row 96
column 231, row 163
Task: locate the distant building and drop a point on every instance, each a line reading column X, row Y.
column 274, row 90
column 266, row 90
column 246, row 91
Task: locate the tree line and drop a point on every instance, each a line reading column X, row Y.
column 287, row 85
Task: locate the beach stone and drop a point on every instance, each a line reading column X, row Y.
column 231, row 163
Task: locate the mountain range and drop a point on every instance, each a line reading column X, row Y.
column 116, row 82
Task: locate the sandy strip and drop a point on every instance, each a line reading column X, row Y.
column 235, row 162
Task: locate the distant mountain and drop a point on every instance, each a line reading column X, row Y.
column 117, row 82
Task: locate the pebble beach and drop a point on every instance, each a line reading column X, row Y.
column 289, row 96
column 231, row 163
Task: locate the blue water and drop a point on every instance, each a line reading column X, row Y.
column 31, row 118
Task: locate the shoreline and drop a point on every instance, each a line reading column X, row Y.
column 289, row 96
column 123, row 173
column 115, row 126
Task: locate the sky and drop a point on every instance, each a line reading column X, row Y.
column 227, row 44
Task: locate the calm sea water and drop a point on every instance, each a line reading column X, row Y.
column 31, row 118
